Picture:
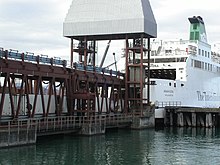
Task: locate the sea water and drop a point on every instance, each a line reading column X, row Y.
column 169, row 146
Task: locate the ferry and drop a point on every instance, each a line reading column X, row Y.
column 185, row 72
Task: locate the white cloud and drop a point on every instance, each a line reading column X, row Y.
column 33, row 25
column 172, row 15
column 37, row 25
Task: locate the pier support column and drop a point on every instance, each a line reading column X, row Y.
column 208, row 122
column 171, row 119
column 180, row 121
column 166, row 118
column 188, row 120
column 92, row 129
column 214, row 122
column 200, row 121
column 193, row 119
column 143, row 122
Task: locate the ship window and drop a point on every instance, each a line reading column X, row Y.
column 194, row 26
column 168, row 51
column 174, row 84
column 197, row 64
column 166, row 60
column 197, row 36
column 181, row 68
column 192, row 62
column 153, row 53
column 205, row 66
column 202, row 65
column 191, row 35
column 202, row 52
column 182, row 85
column 208, row 55
column 199, row 51
column 170, row 84
column 205, row 54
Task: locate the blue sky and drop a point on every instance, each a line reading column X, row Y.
column 36, row 25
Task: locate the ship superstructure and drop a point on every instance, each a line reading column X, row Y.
column 185, row 72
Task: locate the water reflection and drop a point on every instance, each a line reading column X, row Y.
column 188, row 146
column 168, row 146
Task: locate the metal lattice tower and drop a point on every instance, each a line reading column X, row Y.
column 132, row 20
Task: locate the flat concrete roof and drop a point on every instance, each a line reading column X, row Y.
column 109, row 19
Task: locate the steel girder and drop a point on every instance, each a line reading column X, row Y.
column 34, row 89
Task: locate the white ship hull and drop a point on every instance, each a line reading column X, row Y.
column 204, row 92
column 186, row 72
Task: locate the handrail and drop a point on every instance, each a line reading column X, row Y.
column 82, row 67
column 44, row 59
column 59, row 123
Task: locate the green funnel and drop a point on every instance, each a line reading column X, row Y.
column 197, row 29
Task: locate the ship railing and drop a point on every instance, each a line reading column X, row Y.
column 163, row 104
column 179, row 42
column 30, row 57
